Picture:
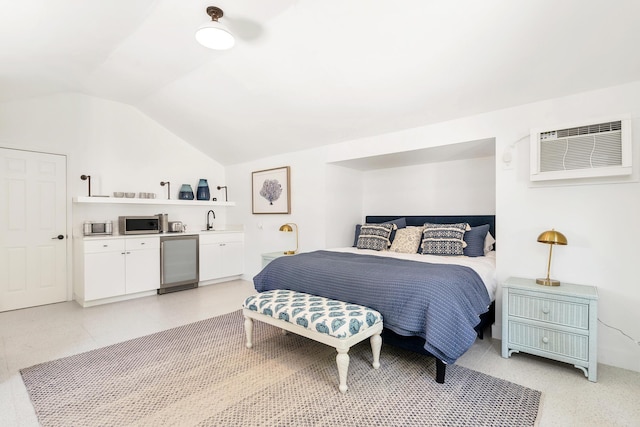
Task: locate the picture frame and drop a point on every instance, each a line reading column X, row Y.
column 271, row 191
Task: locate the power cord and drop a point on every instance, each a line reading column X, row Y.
column 620, row 330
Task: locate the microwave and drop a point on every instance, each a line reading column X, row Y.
column 97, row 228
column 139, row 224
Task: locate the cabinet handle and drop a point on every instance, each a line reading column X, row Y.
column 546, row 310
column 141, row 243
column 545, row 340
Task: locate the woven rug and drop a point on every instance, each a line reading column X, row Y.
column 201, row 374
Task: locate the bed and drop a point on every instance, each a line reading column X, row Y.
column 431, row 304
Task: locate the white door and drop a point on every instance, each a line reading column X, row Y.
column 33, row 233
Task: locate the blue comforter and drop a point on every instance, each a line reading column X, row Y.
column 438, row 302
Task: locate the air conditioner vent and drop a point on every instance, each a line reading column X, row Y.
column 602, row 149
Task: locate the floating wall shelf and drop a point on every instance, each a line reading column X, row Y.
column 137, row 201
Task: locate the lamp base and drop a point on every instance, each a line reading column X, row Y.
column 548, row 282
column 289, row 252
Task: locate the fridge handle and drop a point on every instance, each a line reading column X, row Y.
column 161, row 262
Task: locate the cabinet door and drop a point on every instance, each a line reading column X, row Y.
column 232, row 259
column 142, row 270
column 210, row 261
column 104, row 274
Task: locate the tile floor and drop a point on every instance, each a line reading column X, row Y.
column 45, row 333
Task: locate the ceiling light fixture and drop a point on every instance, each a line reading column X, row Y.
column 215, row 35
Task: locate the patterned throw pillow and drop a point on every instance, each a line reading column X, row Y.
column 375, row 236
column 444, row 239
column 407, row 240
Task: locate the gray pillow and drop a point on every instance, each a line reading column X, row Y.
column 400, row 223
column 357, row 234
column 474, row 239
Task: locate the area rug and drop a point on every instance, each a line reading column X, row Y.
column 201, row 374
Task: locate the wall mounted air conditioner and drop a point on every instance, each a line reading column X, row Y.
column 594, row 150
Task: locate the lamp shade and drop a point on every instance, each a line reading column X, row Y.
column 552, row 237
column 287, row 228
column 214, row 36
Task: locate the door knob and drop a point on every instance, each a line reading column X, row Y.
column 58, row 237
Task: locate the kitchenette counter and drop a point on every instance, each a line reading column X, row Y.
column 183, row 233
column 116, row 267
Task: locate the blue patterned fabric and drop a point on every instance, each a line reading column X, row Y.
column 444, row 239
column 335, row 318
column 375, row 236
column 438, row 302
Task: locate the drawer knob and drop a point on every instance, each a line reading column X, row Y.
column 545, row 340
column 546, row 310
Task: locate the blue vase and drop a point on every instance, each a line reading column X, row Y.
column 203, row 190
column 186, row 193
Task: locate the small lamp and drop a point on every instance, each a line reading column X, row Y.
column 551, row 237
column 287, row 228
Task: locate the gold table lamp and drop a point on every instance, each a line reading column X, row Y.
column 287, row 228
column 551, row 237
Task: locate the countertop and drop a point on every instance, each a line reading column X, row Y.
column 184, row 233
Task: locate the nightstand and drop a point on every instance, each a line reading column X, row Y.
column 556, row 322
column 268, row 257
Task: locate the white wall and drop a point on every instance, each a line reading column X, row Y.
column 326, row 203
column 121, row 148
column 462, row 187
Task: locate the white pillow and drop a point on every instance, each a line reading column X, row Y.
column 488, row 243
column 407, row 240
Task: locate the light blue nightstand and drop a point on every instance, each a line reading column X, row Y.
column 556, row 322
column 268, row 257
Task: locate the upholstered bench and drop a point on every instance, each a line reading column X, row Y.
column 331, row 322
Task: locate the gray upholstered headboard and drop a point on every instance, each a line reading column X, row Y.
column 417, row 220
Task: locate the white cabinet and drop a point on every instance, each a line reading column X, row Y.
column 221, row 255
column 557, row 322
column 115, row 267
column 142, row 264
column 104, row 274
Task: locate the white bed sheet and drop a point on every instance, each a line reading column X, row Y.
column 485, row 266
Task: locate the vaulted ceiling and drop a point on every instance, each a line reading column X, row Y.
column 306, row 73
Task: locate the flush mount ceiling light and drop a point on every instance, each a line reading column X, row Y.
column 215, row 35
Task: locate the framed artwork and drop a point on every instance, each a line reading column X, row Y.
column 271, row 191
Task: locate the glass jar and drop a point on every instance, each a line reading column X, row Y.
column 186, row 192
column 203, row 190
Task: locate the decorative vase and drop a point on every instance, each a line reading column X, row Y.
column 203, row 190
column 186, row 192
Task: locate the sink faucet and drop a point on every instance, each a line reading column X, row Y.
column 210, row 224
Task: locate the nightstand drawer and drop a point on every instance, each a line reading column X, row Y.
column 556, row 311
column 560, row 343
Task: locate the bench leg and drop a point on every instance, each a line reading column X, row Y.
column 342, row 359
column 248, row 330
column 376, row 345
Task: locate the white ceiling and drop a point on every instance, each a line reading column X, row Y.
column 306, row 73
